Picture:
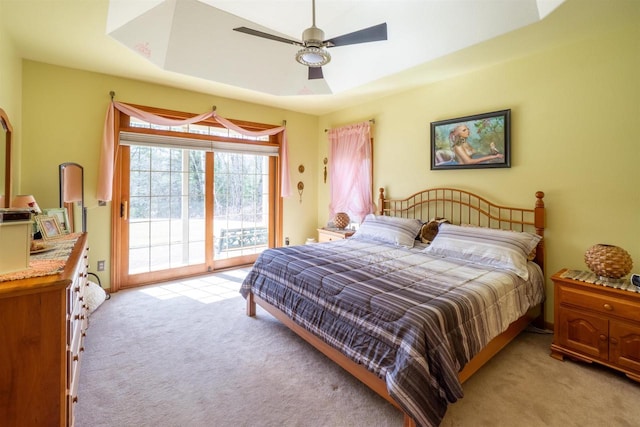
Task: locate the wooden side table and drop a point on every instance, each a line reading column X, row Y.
column 330, row 234
column 596, row 323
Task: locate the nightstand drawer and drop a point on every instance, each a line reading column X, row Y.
column 602, row 304
column 325, row 235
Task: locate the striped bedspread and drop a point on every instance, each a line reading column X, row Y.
column 413, row 319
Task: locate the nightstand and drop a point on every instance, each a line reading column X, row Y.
column 330, row 234
column 596, row 323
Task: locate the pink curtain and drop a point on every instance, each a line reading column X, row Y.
column 108, row 151
column 350, row 170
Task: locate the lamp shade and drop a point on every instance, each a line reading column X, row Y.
column 26, row 201
column 72, row 179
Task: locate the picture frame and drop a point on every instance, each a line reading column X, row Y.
column 472, row 142
column 62, row 215
column 48, row 226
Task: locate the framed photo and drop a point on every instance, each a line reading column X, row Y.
column 48, row 226
column 62, row 216
column 472, row 142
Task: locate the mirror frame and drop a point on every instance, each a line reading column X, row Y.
column 6, row 125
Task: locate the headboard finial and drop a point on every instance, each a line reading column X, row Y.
column 381, row 201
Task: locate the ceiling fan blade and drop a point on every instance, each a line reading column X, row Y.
column 315, row 73
column 371, row 34
column 264, row 35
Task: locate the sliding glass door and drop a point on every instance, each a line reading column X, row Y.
column 191, row 199
column 188, row 212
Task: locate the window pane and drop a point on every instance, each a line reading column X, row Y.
column 140, row 158
column 160, row 159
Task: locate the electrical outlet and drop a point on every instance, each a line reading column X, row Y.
column 101, row 265
column 286, row 241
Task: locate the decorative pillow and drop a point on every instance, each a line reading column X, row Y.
column 507, row 250
column 95, row 296
column 429, row 229
column 388, row 229
column 532, row 254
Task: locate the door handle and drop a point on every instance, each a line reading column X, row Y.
column 124, row 210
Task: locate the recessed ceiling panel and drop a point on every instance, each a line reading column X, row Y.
column 196, row 38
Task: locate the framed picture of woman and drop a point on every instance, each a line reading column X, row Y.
column 62, row 217
column 472, row 142
column 48, row 226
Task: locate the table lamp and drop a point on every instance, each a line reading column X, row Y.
column 26, row 201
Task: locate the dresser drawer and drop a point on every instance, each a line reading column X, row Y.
column 75, row 293
column 599, row 303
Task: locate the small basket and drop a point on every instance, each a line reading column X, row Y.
column 608, row 261
column 341, row 220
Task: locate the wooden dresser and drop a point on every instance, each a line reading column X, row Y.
column 42, row 326
column 596, row 323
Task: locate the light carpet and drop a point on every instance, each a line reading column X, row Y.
column 185, row 354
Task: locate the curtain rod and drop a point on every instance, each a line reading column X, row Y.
column 372, row 121
column 112, row 94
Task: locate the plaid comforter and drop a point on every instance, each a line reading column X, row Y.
column 413, row 319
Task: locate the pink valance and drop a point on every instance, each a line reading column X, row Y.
column 108, row 151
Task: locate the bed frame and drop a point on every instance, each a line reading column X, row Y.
column 458, row 207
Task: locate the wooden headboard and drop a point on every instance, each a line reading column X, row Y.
column 463, row 207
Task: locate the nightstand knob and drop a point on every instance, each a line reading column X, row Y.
column 608, row 307
column 614, row 341
column 602, row 337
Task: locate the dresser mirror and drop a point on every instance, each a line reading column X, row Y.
column 72, row 195
column 5, row 160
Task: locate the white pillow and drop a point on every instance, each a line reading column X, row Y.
column 504, row 249
column 388, row 229
column 94, row 295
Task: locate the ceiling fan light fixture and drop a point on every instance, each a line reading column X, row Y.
column 313, row 56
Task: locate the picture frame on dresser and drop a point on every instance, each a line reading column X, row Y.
column 48, row 227
column 472, row 142
column 61, row 215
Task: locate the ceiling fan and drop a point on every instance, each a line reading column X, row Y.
column 313, row 53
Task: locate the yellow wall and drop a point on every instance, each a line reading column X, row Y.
column 11, row 98
column 63, row 118
column 574, row 113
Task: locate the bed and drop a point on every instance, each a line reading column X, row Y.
column 418, row 299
